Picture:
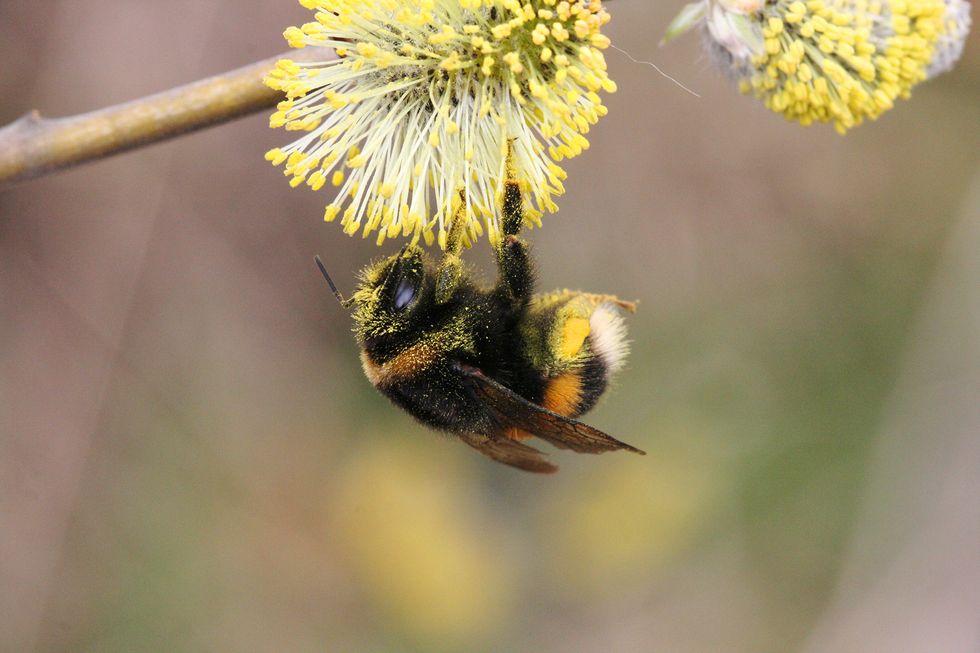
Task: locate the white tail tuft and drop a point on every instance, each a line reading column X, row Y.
column 608, row 336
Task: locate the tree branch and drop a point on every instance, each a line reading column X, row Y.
column 33, row 146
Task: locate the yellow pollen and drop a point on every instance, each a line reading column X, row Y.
column 574, row 332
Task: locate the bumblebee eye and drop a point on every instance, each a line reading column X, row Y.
column 404, row 294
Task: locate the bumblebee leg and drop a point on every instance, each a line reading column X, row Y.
column 513, row 259
column 450, row 269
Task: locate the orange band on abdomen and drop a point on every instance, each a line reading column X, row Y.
column 563, row 394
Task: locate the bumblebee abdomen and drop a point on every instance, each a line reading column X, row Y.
column 577, row 390
column 581, row 344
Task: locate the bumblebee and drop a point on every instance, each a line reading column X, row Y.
column 493, row 366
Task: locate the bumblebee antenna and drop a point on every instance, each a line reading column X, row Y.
column 336, row 293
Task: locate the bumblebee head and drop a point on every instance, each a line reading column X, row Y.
column 393, row 293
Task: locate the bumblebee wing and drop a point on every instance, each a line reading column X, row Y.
column 514, row 411
column 510, row 452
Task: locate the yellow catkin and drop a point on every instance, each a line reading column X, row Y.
column 834, row 61
column 827, row 62
column 533, row 67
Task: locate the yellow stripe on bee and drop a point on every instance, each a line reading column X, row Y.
column 574, row 332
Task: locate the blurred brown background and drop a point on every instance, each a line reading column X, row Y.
column 191, row 459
